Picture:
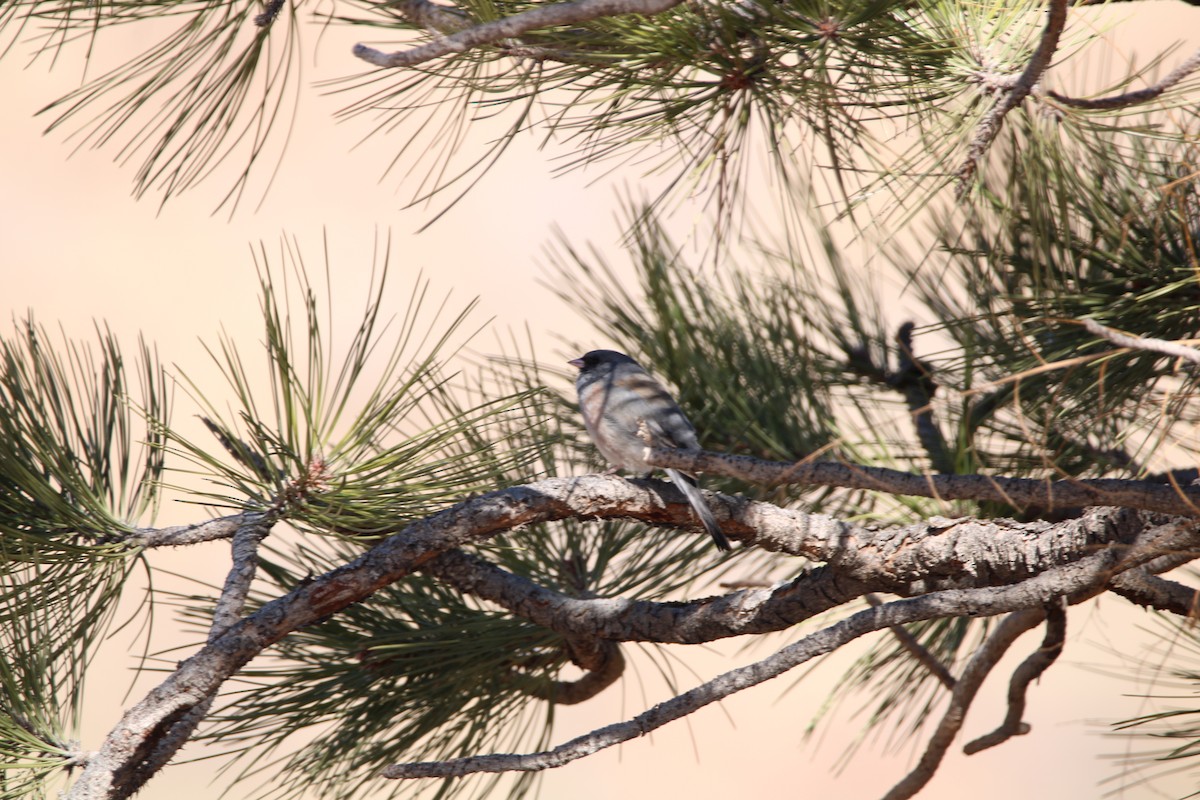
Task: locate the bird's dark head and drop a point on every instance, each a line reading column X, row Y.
column 599, row 359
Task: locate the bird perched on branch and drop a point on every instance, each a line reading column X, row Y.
column 625, row 410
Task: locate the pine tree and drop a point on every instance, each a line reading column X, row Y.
column 426, row 560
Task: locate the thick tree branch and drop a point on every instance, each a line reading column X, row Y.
column 1162, row 346
column 1080, row 579
column 1013, row 95
column 967, row 686
column 1190, row 65
column 910, row 560
column 1017, row 492
column 1029, row 671
column 550, row 15
column 747, row 611
column 970, row 551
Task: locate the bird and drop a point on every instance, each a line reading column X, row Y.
column 621, row 403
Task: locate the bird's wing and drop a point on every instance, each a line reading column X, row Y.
column 654, row 406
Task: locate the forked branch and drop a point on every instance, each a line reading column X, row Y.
column 1092, row 549
column 1029, row 671
column 965, row 689
column 1013, row 94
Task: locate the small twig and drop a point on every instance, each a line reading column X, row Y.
column 917, row 650
column 982, row 663
column 568, row 13
column 1029, row 671
column 1136, row 97
column 989, row 127
column 1166, row 348
column 195, row 533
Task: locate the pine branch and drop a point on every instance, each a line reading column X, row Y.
column 1029, row 671
column 1020, row 493
column 965, row 689
column 1148, row 344
column 1190, row 65
column 1079, row 580
column 1014, row 94
column 568, row 13
column 132, row 741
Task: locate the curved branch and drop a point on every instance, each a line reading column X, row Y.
column 965, row 689
column 605, row 664
column 1029, row 671
column 1017, row 492
column 1080, row 579
column 547, row 16
column 1190, row 65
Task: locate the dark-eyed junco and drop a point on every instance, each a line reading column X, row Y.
column 619, row 401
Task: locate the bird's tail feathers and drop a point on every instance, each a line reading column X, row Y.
column 688, row 486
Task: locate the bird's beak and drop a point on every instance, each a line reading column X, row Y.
column 577, row 363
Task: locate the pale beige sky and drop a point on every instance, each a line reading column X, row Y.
column 75, row 247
